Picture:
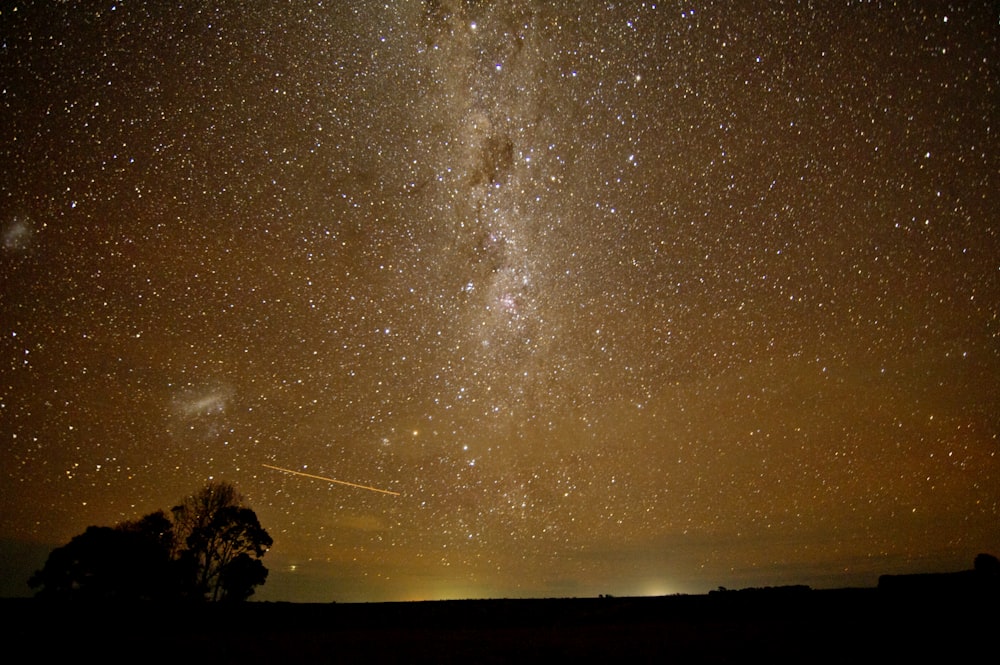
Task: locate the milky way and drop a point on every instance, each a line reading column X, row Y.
column 619, row 297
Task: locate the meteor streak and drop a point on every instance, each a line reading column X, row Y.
column 329, row 480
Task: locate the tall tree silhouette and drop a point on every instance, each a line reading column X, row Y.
column 198, row 510
column 218, row 530
column 225, row 551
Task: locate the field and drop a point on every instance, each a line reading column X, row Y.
column 791, row 625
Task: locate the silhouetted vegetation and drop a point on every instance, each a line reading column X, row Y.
column 129, row 561
column 210, row 549
column 984, row 578
column 225, row 542
column 987, row 566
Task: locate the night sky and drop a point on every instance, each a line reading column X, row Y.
column 606, row 297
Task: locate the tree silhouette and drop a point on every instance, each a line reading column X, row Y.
column 231, row 538
column 210, row 549
column 129, row 561
column 154, row 528
column 197, row 510
column 239, row 577
column 217, row 529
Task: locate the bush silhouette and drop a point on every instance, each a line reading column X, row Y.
column 987, row 565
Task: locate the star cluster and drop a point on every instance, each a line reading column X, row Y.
column 629, row 297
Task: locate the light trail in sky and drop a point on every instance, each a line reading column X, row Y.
column 330, row 480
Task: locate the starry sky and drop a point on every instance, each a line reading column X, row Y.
column 608, row 297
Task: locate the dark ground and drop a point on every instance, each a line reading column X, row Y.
column 790, row 625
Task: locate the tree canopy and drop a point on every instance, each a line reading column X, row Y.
column 224, row 542
column 210, row 547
